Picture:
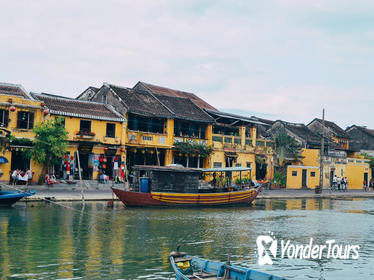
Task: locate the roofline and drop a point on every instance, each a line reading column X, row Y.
column 360, row 128
column 320, row 121
column 19, row 86
column 242, row 118
column 120, row 117
column 85, row 91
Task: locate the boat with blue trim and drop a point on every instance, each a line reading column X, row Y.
column 7, row 198
column 188, row 267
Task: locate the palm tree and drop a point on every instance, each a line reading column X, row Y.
column 287, row 149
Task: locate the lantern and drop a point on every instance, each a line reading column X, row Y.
column 46, row 112
column 143, row 152
column 122, row 150
column 104, row 166
column 134, row 151
column 12, row 108
column 105, row 148
column 42, row 104
column 180, row 154
column 10, row 100
column 151, row 152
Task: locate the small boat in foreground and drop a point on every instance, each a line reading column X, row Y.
column 9, row 197
column 187, row 267
column 156, row 186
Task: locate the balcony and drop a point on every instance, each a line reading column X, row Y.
column 147, row 138
column 191, row 140
column 85, row 135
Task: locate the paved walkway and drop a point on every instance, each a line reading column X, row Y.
column 96, row 192
column 326, row 193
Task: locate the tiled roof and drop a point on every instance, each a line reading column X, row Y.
column 142, row 103
column 184, row 108
column 251, row 120
column 60, row 105
column 362, row 128
column 302, row 131
column 13, row 89
column 172, row 92
column 337, row 130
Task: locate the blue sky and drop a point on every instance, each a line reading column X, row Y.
column 278, row 59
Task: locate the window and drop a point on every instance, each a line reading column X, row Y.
column 217, row 164
column 228, row 140
column 249, row 164
column 25, row 120
column 260, row 143
column 294, row 173
column 111, row 130
column 312, row 174
column 217, row 138
column 85, row 126
column 238, row 165
column 147, row 138
column 4, row 118
column 237, row 140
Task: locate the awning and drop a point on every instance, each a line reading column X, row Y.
column 3, row 159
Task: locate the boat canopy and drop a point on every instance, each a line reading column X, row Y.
column 226, row 169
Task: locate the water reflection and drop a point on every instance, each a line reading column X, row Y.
column 45, row 241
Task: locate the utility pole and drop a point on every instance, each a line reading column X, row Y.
column 319, row 188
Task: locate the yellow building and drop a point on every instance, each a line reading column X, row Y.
column 157, row 119
column 307, row 173
column 96, row 135
column 19, row 112
column 236, row 144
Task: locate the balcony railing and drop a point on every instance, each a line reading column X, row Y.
column 147, row 138
column 191, row 140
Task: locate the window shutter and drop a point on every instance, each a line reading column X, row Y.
column 31, row 120
column 6, row 118
column 19, row 113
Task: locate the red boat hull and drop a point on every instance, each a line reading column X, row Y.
column 243, row 197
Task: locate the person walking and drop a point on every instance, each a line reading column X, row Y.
column 365, row 186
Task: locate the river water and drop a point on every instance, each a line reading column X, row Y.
column 48, row 241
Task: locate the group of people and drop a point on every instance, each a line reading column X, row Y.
column 340, row 184
column 21, row 176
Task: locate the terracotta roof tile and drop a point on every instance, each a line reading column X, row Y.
column 78, row 108
column 13, row 89
column 172, row 92
column 141, row 103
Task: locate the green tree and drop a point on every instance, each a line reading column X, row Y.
column 371, row 163
column 286, row 149
column 50, row 142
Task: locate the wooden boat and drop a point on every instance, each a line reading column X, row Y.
column 9, row 197
column 187, row 267
column 178, row 186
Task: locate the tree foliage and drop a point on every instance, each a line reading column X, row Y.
column 189, row 149
column 50, row 142
column 286, row 148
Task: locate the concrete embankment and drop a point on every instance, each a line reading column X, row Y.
column 102, row 192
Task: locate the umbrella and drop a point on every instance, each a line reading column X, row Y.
column 3, row 160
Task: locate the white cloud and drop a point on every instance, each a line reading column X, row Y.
column 283, row 57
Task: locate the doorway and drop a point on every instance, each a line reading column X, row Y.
column 20, row 161
column 304, row 179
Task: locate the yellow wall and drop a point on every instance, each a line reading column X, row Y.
column 310, row 157
column 21, row 104
column 72, row 126
column 355, row 174
column 295, row 182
